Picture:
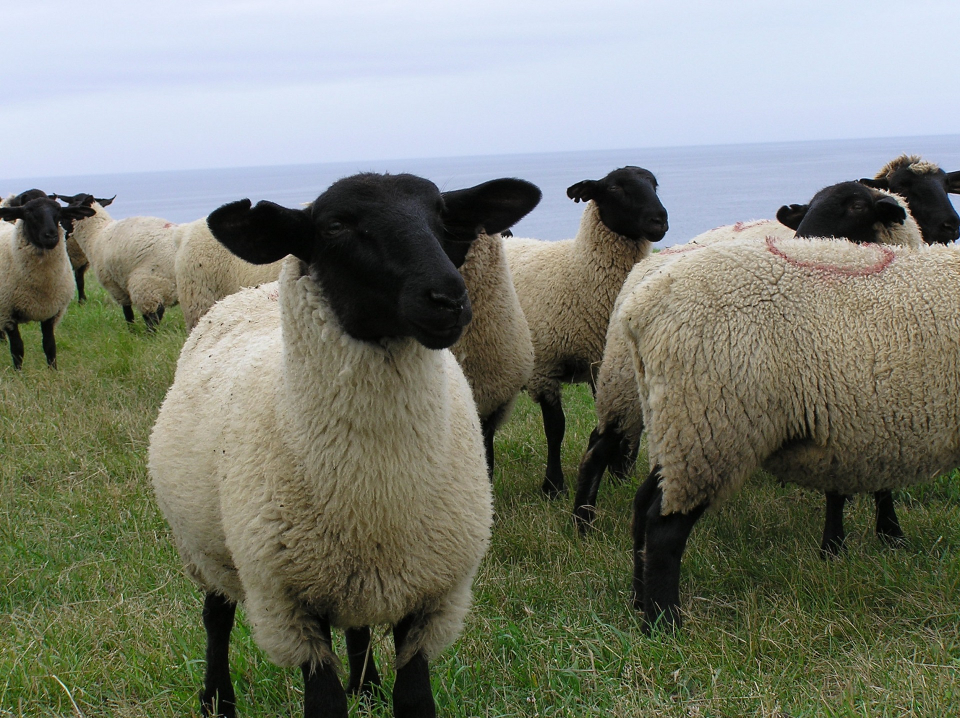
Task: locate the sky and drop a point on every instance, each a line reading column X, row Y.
column 129, row 87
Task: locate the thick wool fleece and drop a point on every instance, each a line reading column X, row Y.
column 754, row 229
column 567, row 290
column 207, row 271
column 916, row 163
column 311, row 474
column 833, row 365
column 132, row 258
column 495, row 351
column 35, row 284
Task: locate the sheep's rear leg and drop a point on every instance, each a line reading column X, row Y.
column 888, row 525
column 834, row 536
column 641, row 505
column 78, row 278
column 624, row 458
column 489, row 427
column 217, row 697
column 323, row 694
column 554, row 426
column 364, row 677
column 16, row 346
column 128, row 313
column 600, row 449
column 152, row 319
column 49, row 342
column 412, row 694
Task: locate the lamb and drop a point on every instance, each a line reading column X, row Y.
column 316, row 457
column 830, row 364
column 206, row 272
column 35, row 280
column 133, row 259
column 847, row 209
column 78, row 260
column 567, row 289
column 495, row 351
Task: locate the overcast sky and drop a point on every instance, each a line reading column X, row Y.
column 128, row 86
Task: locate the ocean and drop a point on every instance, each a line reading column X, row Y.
column 701, row 186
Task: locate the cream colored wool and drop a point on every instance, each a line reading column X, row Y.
column 915, row 163
column 495, row 350
column 567, row 290
column 616, row 397
column 207, row 271
column 832, row 365
column 35, row 285
column 308, row 473
column 132, row 258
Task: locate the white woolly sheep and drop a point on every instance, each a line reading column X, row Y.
column 315, row 457
column 848, row 208
column 78, row 260
column 567, row 289
column 133, row 259
column 206, row 272
column 35, row 280
column 830, row 364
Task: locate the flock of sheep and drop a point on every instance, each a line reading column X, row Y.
column 321, row 458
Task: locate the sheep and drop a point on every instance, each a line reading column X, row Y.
column 316, row 457
column 568, row 288
column 35, row 280
column 847, row 209
column 133, row 259
column 78, row 260
column 830, row 364
column 925, row 187
column 495, row 351
column 206, row 272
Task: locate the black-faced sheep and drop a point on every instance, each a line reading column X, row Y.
column 316, row 458
column 567, row 289
column 78, row 260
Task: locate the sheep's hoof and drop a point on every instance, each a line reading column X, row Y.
column 893, row 540
column 583, row 517
column 552, row 489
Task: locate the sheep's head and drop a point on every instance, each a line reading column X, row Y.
column 925, row 188
column 848, row 209
column 40, row 219
column 627, row 201
column 384, row 248
column 79, row 200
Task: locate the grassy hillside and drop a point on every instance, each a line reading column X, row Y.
column 97, row 619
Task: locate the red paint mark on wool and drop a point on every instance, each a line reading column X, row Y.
column 168, row 225
column 273, row 295
column 740, row 226
column 887, row 255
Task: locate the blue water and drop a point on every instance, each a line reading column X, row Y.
column 701, row 187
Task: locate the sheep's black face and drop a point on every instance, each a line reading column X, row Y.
column 926, row 196
column 40, row 220
column 848, row 209
column 79, row 200
column 383, row 247
column 627, row 201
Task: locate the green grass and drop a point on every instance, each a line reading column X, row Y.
column 97, row 619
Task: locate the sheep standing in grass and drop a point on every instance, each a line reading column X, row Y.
column 567, row 289
column 847, row 209
column 206, row 272
column 830, row 364
column 316, row 457
column 133, row 259
column 35, row 280
column 78, row 260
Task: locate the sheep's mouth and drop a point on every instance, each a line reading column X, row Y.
column 437, row 337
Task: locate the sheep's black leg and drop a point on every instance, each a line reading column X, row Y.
column 217, row 697
column 489, row 426
column 323, row 694
column 151, row 320
column 49, row 342
column 641, row 504
column 554, row 426
column 888, row 526
column 595, row 460
column 78, row 277
column 666, row 540
column 833, row 534
column 363, row 670
column 16, row 346
column 160, row 310
column 412, row 694
column 624, row 459
column 128, row 313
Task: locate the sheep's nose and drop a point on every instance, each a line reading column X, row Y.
column 448, row 301
column 951, row 227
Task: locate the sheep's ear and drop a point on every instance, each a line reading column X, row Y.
column 77, row 211
column 953, row 182
column 890, row 212
column 875, row 183
column 791, row 215
column 262, row 234
column 582, row 191
column 105, row 202
column 69, row 199
column 490, row 207
column 11, row 214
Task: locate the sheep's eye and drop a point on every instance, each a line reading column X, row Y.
column 858, row 207
column 334, row 228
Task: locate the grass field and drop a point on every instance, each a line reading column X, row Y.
column 97, row 619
